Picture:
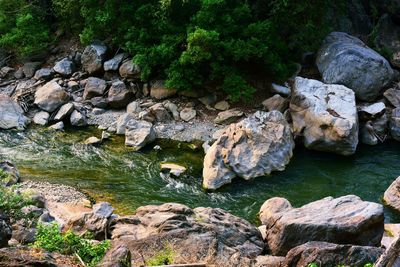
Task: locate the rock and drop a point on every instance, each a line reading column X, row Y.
column 57, row 126
column 5, row 71
column 394, row 124
column 222, row 105
column 99, row 102
column 122, row 122
column 64, row 111
column 114, row 63
column 276, row 102
column 173, row 169
column 160, row 91
column 208, row 100
column 279, row 89
column 325, row 115
column 346, row 60
column 11, row 174
column 371, row 111
column 160, row 113
column 269, row 261
column 73, row 85
column 93, row 57
column 50, row 96
column 254, row 147
column 24, row 235
column 211, row 236
column 19, row 74
column 228, row 116
column 119, row 256
column 105, row 135
column 119, row 96
column 78, row 119
column 94, row 87
column 388, row 38
column 92, row 141
column 146, row 116
column 188, row 114
column 343, row 220
column 65, row 67
column 367, row 134
column 129, row 70
column 30, row 68
column 11, row 114
column 392, row 195
column 138, row 134
column 103, row 209
column 44, row 74
column 133, row 107
column 171, row 107
column 41, row 118
column 328, row 254
column 5, row 231
column 393, row 96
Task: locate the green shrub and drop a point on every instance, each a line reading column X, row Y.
column 163, row 257
column 48, row 237
column 12, row 202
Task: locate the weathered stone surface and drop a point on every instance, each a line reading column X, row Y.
column 160, row 112
column 65, row 67
column 371, row 111
column 133, row 107
column 57, row 126
column 99, row 102
column 173, row 169
column 393, row 96
column 343, row 220
column 207, row 235
column 93, row 57
column 328, row 254
column 11, row 114
column 118, row 256
column 94, row 87
column 279, row 89
column 254, row 147
column 41, row 118
column 160, row 91
column 276, row 102
column 114, row 63
column 228, row 116
column 44, row 74
column 119, row 96
column 325, row 115
column 392, row 195
column 12, row 171
column 30, row 68
column 138, row 134
column 187, row 114
column 394, row 124
column 171, row 107
column 50, row 96
column 222, row 105
column 64, row 111
column 346, row 60
column 122, row 122
column 129, row 69
column 78, row 119
column 269, row 261
column 368, row 135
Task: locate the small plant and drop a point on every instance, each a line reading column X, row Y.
column 11, row 203
column 163, row 257
column 369, row 265
column 312, row 264
column 50, row 238
column 5, row 177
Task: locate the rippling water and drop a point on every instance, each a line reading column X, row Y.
column 130, row 179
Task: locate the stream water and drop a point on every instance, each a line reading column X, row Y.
column 127, row 179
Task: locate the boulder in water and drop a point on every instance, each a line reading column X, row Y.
column 139, row 133
column 392, row 195
column 11, row 114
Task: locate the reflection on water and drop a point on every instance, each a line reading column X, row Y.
column 130, row 179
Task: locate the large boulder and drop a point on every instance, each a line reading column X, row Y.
column 114, row 63
column 129, row 69
column 119, row 96
column 11, row 114
column 94, row 87
column 208, row 235
column 65, row 67
column 50, row 96
column 93, row 57
column 346, row 60
column 139, row 133
column 328, row 254
column 325, row 116
column 30, row 68
column 343, row 220
column 392, row 195
column 254, row 147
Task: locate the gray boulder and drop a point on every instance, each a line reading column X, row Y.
column 392, row 195
column 30, row 68
column 343, row 220
column 117, row 256
column 325, row 115
column 64, row 111
column 276, row 102
column 346, row 60
column 228, row 116
column 394, row 124
column 129, row 69
column 65, row 67
column 99, row 102
column 119, row 96
column 187, row 114
column 11, row 114
column 94, row 87
column 44, row 74
column 41, row 118
column 160, row 91
column 160, row 113
column 50, row 96
column 393, row 96
column 78, row 119
column 138, row 134
column 114, row 63
column 93, row 57
column 254, row 147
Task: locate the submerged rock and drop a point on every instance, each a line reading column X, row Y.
column 392, row 195
column 139, row 133
column 346, row 60
column 172, row 168
column 325, row 115
column 254, row 147
column 11, row 114
column 50, row 96
column 343, row 220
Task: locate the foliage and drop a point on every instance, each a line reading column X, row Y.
column 163, row 257
column 49, row 237
column 313, row 264
column 12, row 202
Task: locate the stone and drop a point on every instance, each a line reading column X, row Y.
column 171, row 107
column 93, row 57
column 12, row 173
column 346, row 60
column 30, row 68
column 24, row 235
column 64, row 111
column 129, row 70
column 343, row 220
column 276, row 102
column 269, row 261
column 138, row 134
column 222, row 105
column 11, row 114
column 393, row 96
column 119, row 96
column 103, row 209
column 73, row 85
column 371, row 111
column 5, row 231
column 114, row 63
column 78, row 119
column 279, row 89
column 89, row 222
column 51, row 96
column 325, row 115
column 146, row 116
column 228, row 116
column 394, row 124
column 41, row 118
column 57, row 126
column 19, row 74
column 254, row 147
column 208, row 235
column 44, row 74
column 208, row 100
column 368, row 135
column 105, row 135
column 118, row 256
column 133, row 107
column 173, row 169
column 5, row 71
column 391, row 196
column 188, row 114
column 328, row 254
column 92, row 141
column 160, row 91
column 160, row 113
column 65, row 67
column 94, row 87
column 99, row 102
column 122, row 122
column 388, row 38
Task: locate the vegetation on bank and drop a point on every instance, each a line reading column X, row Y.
column 191, row 44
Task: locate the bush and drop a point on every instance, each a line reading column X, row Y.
column 49, row 238
column 163, row 257
column 12, row 202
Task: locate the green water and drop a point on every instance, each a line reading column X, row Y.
column 130, row 179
